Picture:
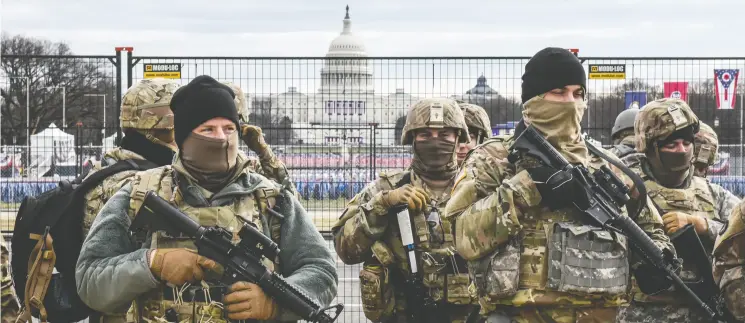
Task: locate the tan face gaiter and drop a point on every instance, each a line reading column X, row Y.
column 210, row 161
column 435, row 158
column 559, row 122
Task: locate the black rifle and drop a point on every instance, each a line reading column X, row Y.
column 241, row 261
column 605, row 195
column 420, row 307
column 692, row 251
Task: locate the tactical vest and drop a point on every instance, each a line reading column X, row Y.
column 444, row 273
column 697, row 199
column 556, row 260
column 99, row 195
column 195, row 303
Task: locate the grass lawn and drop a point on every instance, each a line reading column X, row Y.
column 9, row 206
column 324, row 204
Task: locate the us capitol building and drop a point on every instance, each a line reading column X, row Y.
column 345, row 107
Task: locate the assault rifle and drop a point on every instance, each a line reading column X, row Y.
column 241, row 261
column 420, row 307
column 605, row 195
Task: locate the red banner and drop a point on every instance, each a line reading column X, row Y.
column 678, row 90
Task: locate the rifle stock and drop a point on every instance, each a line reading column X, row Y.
column 606, row 194
column 241, row 261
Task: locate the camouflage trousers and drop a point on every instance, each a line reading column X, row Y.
column 457, row 313
column 639, row 312
column 553, row 315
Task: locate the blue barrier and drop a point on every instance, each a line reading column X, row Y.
column 14, row 192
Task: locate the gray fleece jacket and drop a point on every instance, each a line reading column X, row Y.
column 112, row 269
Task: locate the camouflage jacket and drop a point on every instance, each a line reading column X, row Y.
column 10, row 306
column 623, row 148
column 729, row 262
column 494, row 203
column 268, row 165
column 272, row 168
column 701, row 191
column 366, row 232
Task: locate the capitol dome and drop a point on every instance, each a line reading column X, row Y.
column 347, row 44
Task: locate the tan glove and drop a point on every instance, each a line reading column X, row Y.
column 253, row 138
column 179, row 265
column 408, row 194
column 247, row 301
column 674, row 221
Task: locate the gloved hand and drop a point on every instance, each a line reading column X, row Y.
column 253, row 138
column 247, row 301
column 179, row 265
column 558, row 189
column 674, row 221
column 408, row 194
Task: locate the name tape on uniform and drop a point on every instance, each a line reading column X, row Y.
column 164, row 70
column 607, row 71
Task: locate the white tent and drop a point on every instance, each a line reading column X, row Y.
column 51, row 146
column 108, row 142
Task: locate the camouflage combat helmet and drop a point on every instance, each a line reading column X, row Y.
column 240, row 101
column 146, row 105
column 476, row 117
column 434, row 113
column 706, row 145
column 624, row 120
column 660, row 118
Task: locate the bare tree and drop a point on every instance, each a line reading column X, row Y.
column 48, row 67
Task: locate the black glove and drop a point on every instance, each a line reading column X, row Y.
column 650, row 280
column 558, row 188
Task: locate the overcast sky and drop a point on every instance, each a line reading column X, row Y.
column 388, row 27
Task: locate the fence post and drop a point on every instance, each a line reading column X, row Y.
column 79, row 141
column 118, row 96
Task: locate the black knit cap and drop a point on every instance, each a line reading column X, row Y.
column 202, row 99
column 552, row 68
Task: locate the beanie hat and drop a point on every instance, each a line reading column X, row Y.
column 551, row 68
column 202, row 99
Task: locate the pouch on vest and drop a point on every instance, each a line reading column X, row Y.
column 378, row 299
column 586, row 259
column 497, row 275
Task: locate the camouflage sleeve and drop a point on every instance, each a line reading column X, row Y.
column 729, row 263
column 362, row 222
column 486, row 213
column 650, row 221
column 10, row 306
column 271, row 167
column 725, row 203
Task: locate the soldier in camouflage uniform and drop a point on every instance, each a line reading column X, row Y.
column 706, row 146
column 517, row 228
column 9, row 307
column 147, row 123
column 368, row 233
column 729, row 262
column 623, row 133
column 479, row 128
column 665, row 131
column 211, row 183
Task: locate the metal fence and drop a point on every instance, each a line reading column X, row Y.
column 335, row 122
